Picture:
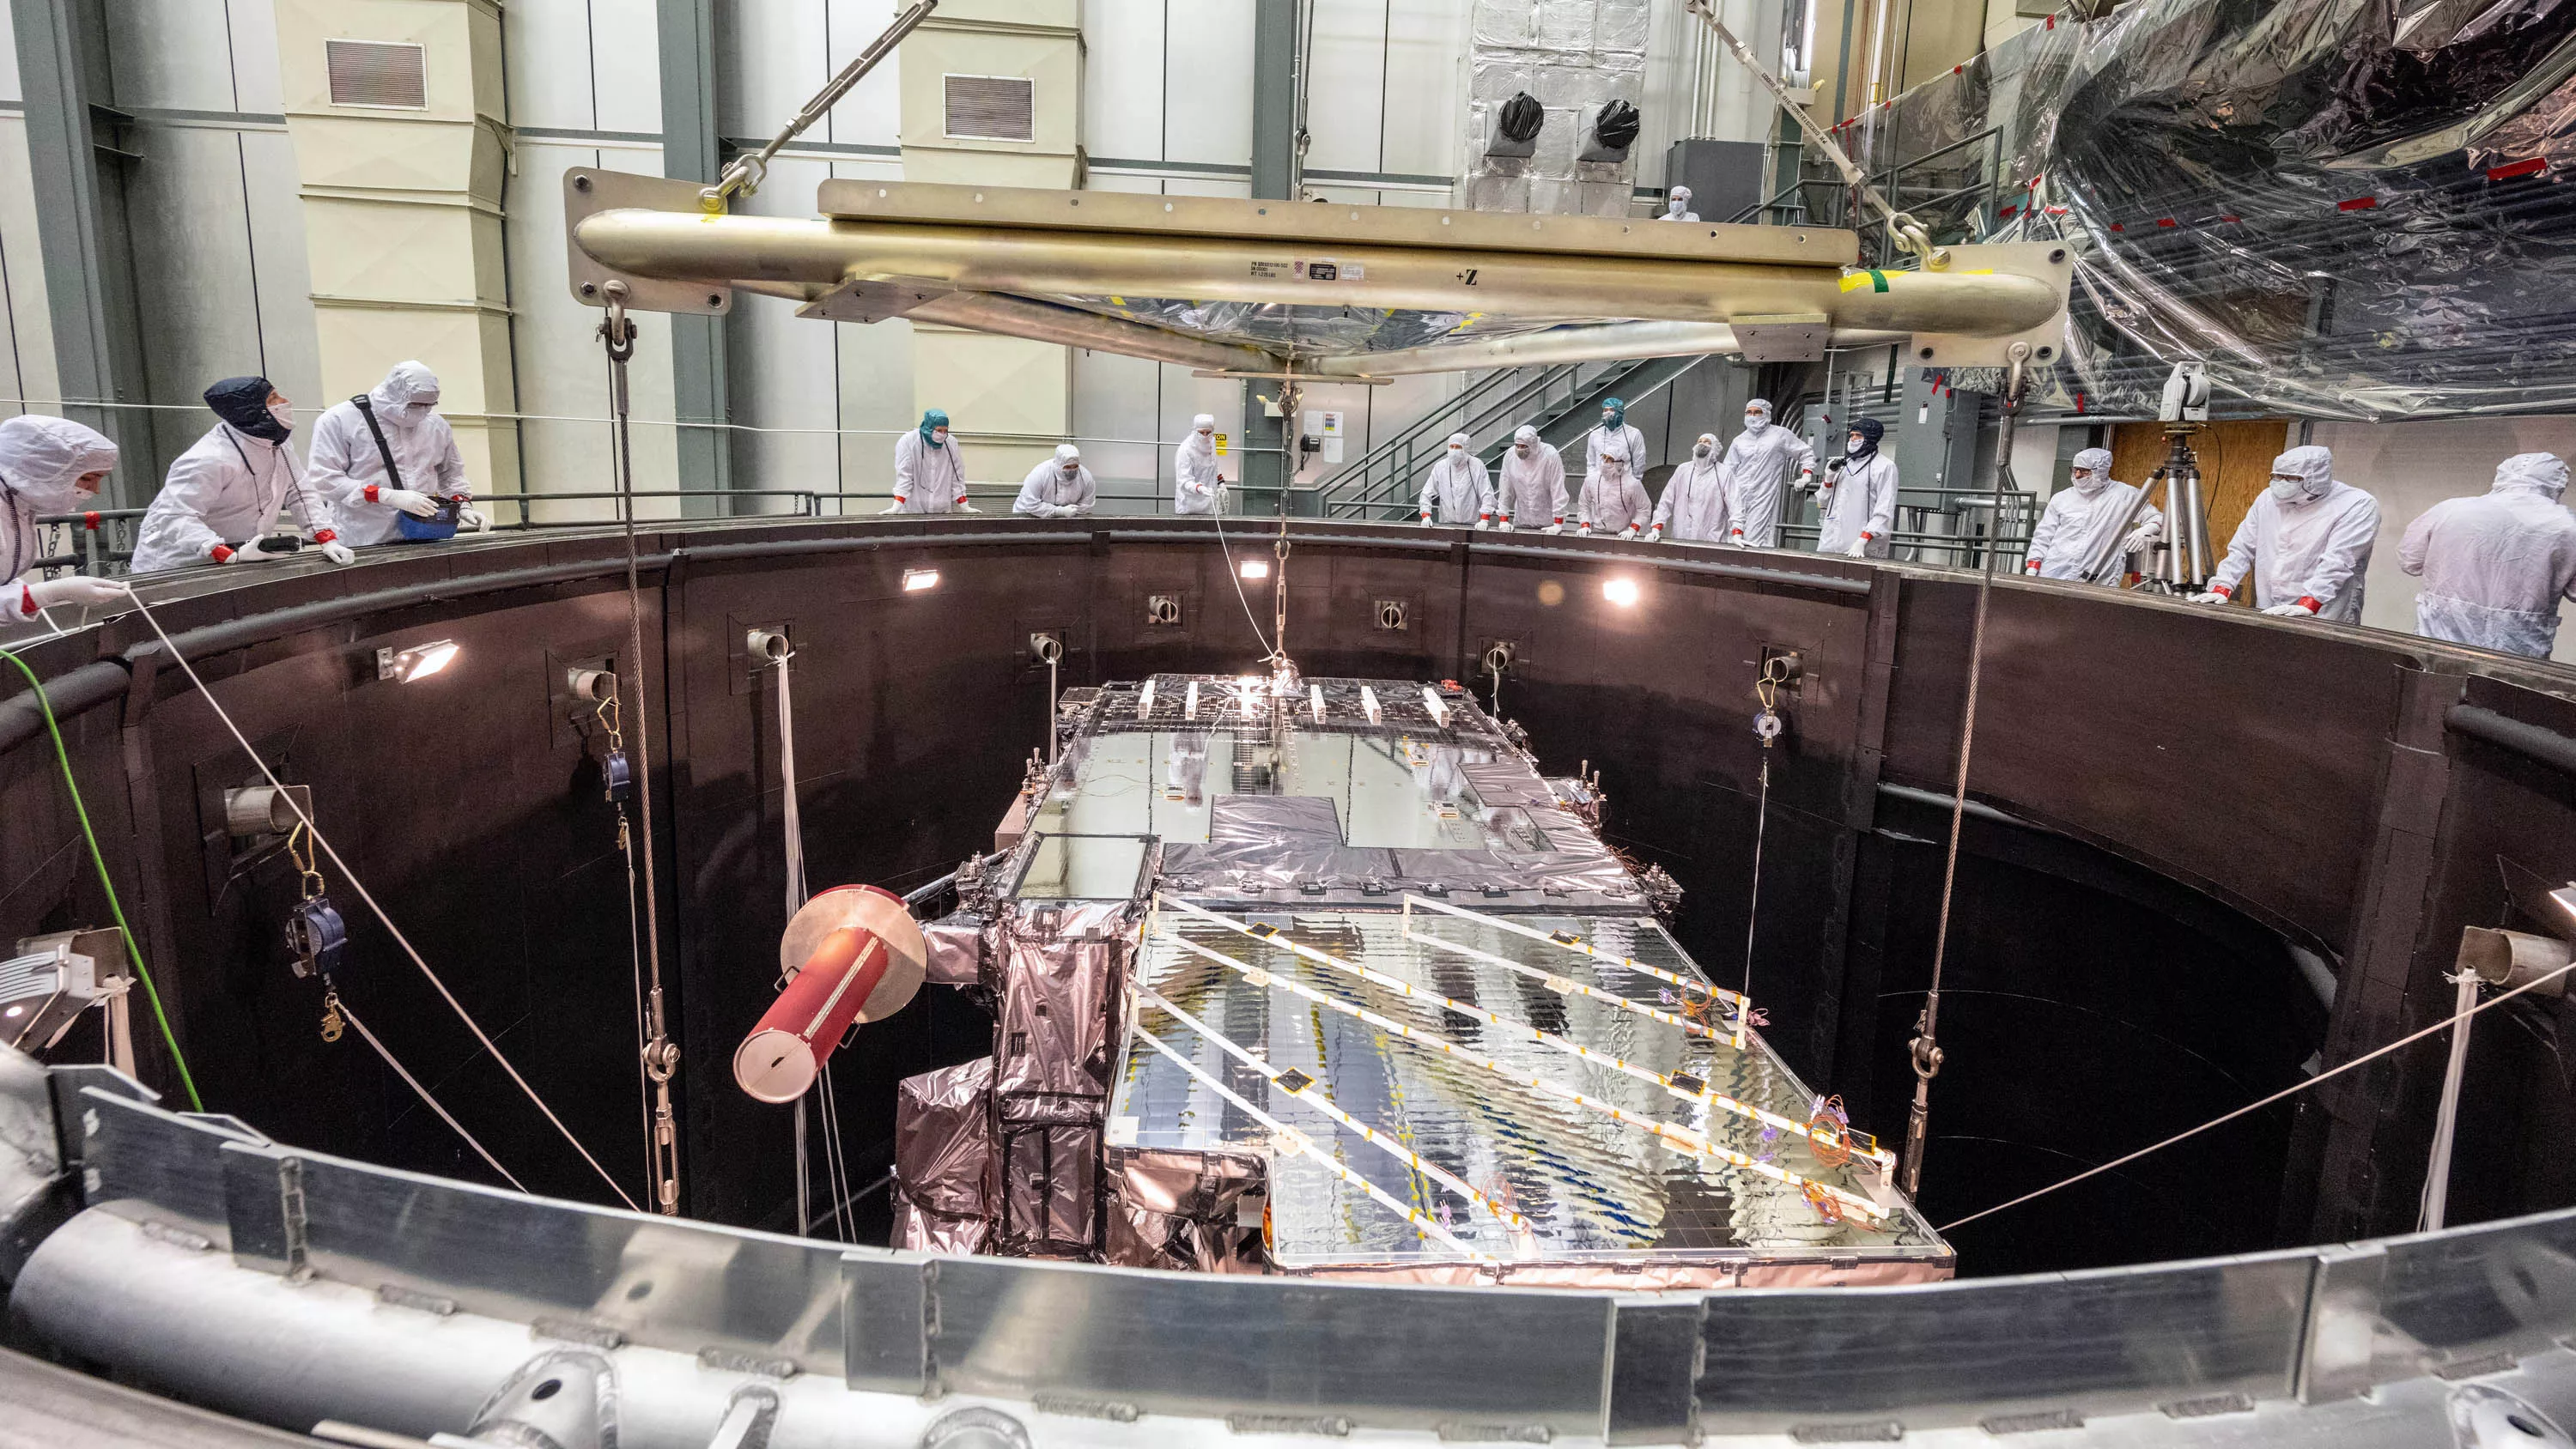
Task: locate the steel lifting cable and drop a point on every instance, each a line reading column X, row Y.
column 350, row 1014
column 835, row 1156
column 1925, row 1050
column 605, row 712
column 661, row 1054
column 382, row 916
column 1766, row 727
column 1269, row 655
column 2454, row 1020
column 751, row 168
column 794, row 855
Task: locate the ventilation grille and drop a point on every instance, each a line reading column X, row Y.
column 377, row 73
column 992, row 108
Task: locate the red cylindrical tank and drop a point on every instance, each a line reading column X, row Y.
column 852, row 954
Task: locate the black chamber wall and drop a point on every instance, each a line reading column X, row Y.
column 2182, row 792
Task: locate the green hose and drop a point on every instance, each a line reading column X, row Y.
column 133, row 952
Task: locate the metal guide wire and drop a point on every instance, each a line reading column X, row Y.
column 324, row 841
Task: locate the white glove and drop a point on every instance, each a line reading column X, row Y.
column 1736, row 539
column 418, row 505
column 2031, row 567
column 250, row 552
column 1859, row 548
column 2291, row 611
column 1629, row 532
column 1655, row 534
column 965, row 507
column 2212, row 597
column 894, row 507
column 1484, row 523
column 1557, row 528
column 1581, row 530
column 471, row 519
column 338, row 552
column 2137, row 540
column 1506, row 526
column 1426, row 520
column 77, row 589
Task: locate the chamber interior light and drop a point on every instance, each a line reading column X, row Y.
column 1622, row 592
column 420, row 661
column 917, row 581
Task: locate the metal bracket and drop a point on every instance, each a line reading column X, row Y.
column 1789, row 337
column 2049, row 262
column 858, row 301
column 588, row 192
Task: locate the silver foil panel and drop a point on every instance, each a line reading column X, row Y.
column 1607, row 1202
column 1061, row 973
column 956, row 945
column 1185, row 1210
column 943, row 1159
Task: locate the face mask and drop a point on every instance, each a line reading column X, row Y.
column 414, row 412
column 2289, row 490
column 1699, row 450
column 1070, row 469
column 1755, row 422
column 284, row 414
column 1855, row 443
column 1609, row 420
column 939, row 437
column 2089, row 483
column 1457, row 453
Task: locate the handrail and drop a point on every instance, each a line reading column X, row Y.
column 1360, row 486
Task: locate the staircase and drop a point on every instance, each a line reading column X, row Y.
column 1630, row 382
column 1562, row 401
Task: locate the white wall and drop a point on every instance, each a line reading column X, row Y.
column 2409, row 467
column 216, row 226
column 1167, row 110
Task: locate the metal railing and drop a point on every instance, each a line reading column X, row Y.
column 1389, row 473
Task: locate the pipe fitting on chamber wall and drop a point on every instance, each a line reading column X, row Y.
column 2509, row 959
column 853, row 954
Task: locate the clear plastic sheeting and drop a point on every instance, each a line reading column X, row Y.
column 1599, row 1199
column 1299, row 331
column 2347, row 211
column 943, row 1159
column 1194, row 1211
